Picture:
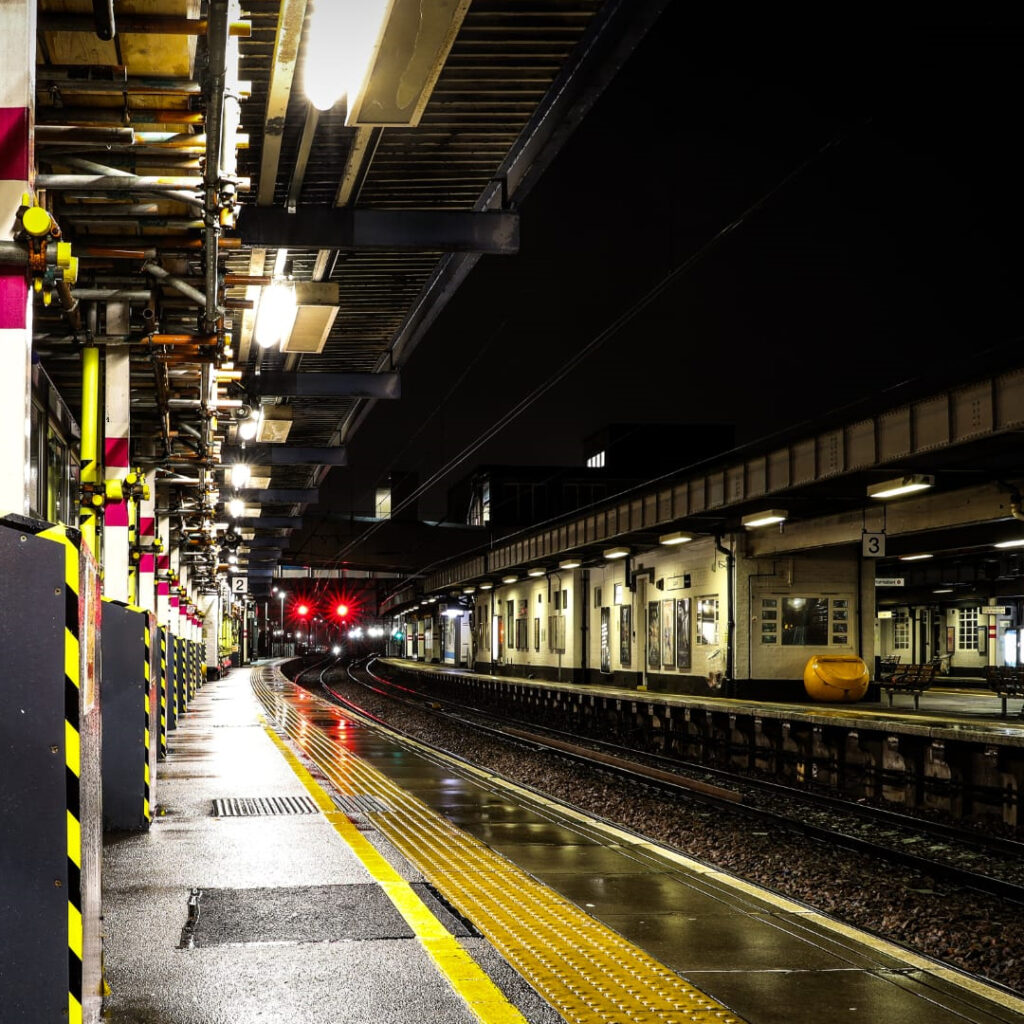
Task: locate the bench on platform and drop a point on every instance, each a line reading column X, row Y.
column 1007, row 682
column 913, row 679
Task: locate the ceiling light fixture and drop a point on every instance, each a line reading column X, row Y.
column 616, row 552
column 914, row 558
column 247, row 428
column 509, row 579
column 570, row 563
column 236, row 507
column 240, row 473
column 901, row 485
column 536, row 571
column 943, row 590
column 340, row 46
column 486, row 586
column 766, row 518
column 1011, row 543
column 276, row 314
column 678, row 537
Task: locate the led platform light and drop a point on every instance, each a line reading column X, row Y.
column 766, row 518
column 276, row 314
column 915, row 558
column 341, row 43
column 901, row 485
column 1011, row 543
column 678, row 537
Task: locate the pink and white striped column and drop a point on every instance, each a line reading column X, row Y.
column 147, row 535
column 163, row 568
column 17, row 98
column 116, row 451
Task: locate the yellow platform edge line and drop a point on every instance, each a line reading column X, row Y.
column 570, row 982
column 951, row 975
column 467, row 979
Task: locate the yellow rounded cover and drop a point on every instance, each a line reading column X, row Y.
column 838, row 678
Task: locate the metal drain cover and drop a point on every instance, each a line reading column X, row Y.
column 320, row 913
column 250, row 807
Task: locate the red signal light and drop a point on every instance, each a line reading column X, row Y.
column 303, row 609
column 342, row 610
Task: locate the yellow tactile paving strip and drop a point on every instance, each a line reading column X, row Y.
column 586, row 971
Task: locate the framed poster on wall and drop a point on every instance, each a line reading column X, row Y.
column 625, row 635
column 606, row 640
column 668, row 633
column 683, row 632
column 653, row 631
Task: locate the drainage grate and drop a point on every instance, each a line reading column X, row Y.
column 249, row 807
column 358, row 805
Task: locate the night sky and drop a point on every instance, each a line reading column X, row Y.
column 879, row 171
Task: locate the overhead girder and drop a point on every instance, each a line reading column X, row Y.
column 330, row 385
column 287, row 455
column 494, row 232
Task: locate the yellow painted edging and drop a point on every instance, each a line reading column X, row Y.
column 876, row 943
column 458, row 968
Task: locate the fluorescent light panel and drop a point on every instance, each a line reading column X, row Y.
column 678, row 537
column 901, row 485
column 570, row 563
column 615, row 552
column 536, row 571
column 914, row 558
column 766, row 518
column 1011, row 543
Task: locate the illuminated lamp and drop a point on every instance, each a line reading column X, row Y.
column 240, row 474
column 536, row 571
column 385, row 56
column 236, row 507
column 679, row 537
column 486, row 586
column 616, row 552
column 276, row 313
column 765, row 518
column 943, row 590
column 914, row 558
column 509, row 579
column 901, row 485
column 1011, row 544
column 469, row 590
column 247, row 428
column 569, row 563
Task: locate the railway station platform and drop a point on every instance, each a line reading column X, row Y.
column 306, row 865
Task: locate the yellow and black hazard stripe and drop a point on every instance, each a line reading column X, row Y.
column 162, row 738
column 71, row 540
column 147, row 813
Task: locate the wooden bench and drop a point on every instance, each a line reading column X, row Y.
column 887, row 666
column 913, row 679
column 1007, row 682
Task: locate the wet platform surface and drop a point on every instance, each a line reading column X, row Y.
column 606, row 927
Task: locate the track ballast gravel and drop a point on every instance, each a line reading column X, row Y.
column 969, row 930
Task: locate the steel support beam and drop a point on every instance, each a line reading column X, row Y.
column 285, row 496
column 330, row 385
column 289, row 455
column 314, row 227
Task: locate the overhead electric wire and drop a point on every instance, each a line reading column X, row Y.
column 596, row 342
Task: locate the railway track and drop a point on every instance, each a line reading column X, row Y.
column 951, row 856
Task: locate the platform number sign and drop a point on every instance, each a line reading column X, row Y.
column 872, row 545
column 239, row 584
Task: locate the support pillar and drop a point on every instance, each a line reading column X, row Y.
column 116, row 556
column 147, row 537
column 17, row 97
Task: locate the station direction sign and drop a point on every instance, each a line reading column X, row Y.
column 239, row 584
column 890, row 581
column 995, row 609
